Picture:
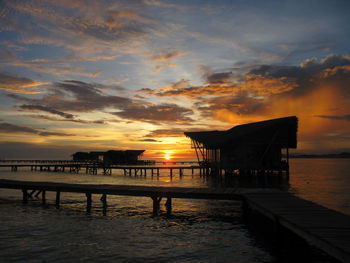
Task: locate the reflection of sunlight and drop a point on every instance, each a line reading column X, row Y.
column 167, row 157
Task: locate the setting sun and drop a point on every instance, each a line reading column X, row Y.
column 167, row 155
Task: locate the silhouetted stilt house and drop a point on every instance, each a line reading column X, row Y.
column 249, row 147
column 109, row 157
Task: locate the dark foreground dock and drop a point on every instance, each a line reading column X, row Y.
column 323, row 228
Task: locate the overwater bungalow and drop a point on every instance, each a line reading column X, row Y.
column 249, row 147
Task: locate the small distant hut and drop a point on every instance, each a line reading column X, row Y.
column 109, row 157
column 248, row 147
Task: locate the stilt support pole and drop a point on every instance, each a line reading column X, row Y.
column 168, row 206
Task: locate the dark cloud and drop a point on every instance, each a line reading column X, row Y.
column 74, row 96
column 219, row 78
column 12, row 128
column 260, row 88
column 48, row 118
column 304, row 78
column 72, row 26
column 239, row 105
column 335, row 117
column 77, row 96
column 330, row 61
column 45, row 133
column 46, row 109
column 166, row 133
column 149, row 140
column 156, row 113
column 13, row 83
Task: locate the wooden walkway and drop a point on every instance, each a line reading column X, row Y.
column 326, row 229
column 130, row 190
column 323, row 228
column 128, row 170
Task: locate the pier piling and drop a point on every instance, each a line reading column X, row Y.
column 88, row 202
column 58, row 195
column 43, row 197
column 156, row 204
column 25, row 196
column 168, row 206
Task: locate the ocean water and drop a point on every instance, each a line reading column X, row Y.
column 323, row 181
column 197, row 231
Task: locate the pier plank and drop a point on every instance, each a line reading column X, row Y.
column 327, row 229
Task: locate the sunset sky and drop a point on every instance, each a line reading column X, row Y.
column 81, row 75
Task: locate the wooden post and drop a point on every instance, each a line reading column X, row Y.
column 25, row 196
column 43, row 197
column 152, row 172
column 180, row 172
column 104, row 200
column 130, row 172
column 157, row 172
column 171, row 173
column 156, row 202
column 168, row 206
column 145, row 172
column 88, row 202
column 58, row 194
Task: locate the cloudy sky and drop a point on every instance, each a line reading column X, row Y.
column 98, row 75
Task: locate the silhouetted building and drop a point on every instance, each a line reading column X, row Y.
column 252, row 146
column 109, row 157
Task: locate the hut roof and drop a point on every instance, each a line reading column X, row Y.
column 282, row 131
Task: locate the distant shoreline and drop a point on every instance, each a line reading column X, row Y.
column 325, row 156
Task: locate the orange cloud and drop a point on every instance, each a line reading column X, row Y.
column 19, row 84
column 123, row 18
column 259, row 85
column 164, row 57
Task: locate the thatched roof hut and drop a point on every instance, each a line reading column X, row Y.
column 263, row 140
column 284, row 131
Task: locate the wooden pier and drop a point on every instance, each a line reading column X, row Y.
column 139, row 170
column 128, row 170
column 323, row 228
